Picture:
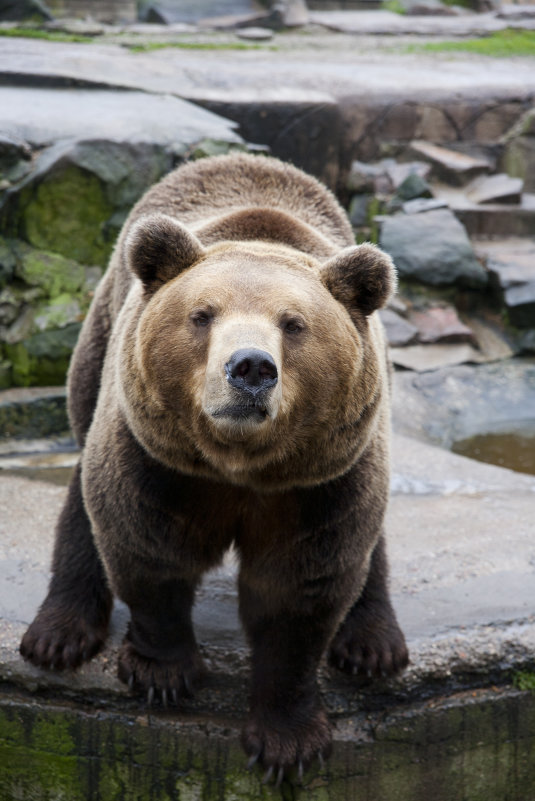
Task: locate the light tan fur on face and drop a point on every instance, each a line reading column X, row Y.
column 178, row 369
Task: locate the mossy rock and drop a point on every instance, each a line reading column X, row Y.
column 42, row 359
column 66, row 213
column 5, row 374
column 7, row 261
column 79, row 194
column 52, row 273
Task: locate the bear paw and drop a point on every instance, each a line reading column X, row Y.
column 60, row 638
column 164, row 680
column 286, row 742
column 378, row 650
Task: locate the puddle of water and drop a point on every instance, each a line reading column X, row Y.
column 512, row 449
column 53, row 467
column 52, row 475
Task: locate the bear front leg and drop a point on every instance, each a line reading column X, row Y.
column 159, row 654
column 370, row 642
column 287, row 726
column 72, row 622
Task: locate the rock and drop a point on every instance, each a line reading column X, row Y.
column 518, row 158
column 42, row 359
column 433, row 248
column 516, row 12
column 109, row 11
column 255, row 34
column 15, row 156
column 359, row 210
column 422, row 358
column 5, row 374
column 13, row 10
column 52, row 273
column 422, row 8
column 30, row 413
column 398, row 172
column 421, row 204
column 78, row 195
column 156, row 15
column 414, row 186
column 7, row 262
column 449, row 165
column 491, row 219
column 193, row 11
column 10, row 304
column 294, row 12
column 440, row 324
column 59, row 313
column 520, row 302
column 399, row 332
column 526, row 341
column 499, row 188
column 361, row 177
column 445, row 406
column 493, row 344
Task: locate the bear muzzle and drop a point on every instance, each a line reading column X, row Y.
column 252, row 374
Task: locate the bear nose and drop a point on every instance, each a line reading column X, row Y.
column 252, row 370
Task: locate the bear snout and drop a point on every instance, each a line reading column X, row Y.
column 252, row 371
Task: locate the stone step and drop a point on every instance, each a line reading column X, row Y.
column 491, row 219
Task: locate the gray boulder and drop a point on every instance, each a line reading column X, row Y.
column 432, row 248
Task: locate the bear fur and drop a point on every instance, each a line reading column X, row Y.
column 230, row 387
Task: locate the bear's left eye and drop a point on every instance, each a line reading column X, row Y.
column 292, row 325
column 201, row 318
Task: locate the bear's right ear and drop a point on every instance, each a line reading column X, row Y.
column 362, row 278
column 158, row 248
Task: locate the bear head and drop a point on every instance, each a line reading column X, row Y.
column 252, row 362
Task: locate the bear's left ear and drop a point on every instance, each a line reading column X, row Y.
column 158, row 248
column 362, row 278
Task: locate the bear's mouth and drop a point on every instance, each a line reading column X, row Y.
column 243, row 411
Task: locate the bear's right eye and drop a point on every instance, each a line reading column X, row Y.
column 201, row 318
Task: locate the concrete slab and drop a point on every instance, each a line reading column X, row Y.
column 387, row 22
column 42, row 116
column 348, row 65
column 463, row 565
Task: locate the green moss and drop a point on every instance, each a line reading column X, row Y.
column 52, row 273
column 501, row 44
column 42, row 359
column 39, row 33
column 396, row 6
column 67, row 213
column 524, row 680
column 5, row 374
column 149, row 46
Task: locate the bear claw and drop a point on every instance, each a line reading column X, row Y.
column 159, row 680
column 59, row 640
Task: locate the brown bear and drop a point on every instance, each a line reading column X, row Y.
column 231, row 386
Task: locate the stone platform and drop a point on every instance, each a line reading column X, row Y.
column 462, row 576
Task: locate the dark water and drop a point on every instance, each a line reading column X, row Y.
column 52, row 475
column 515, row 450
